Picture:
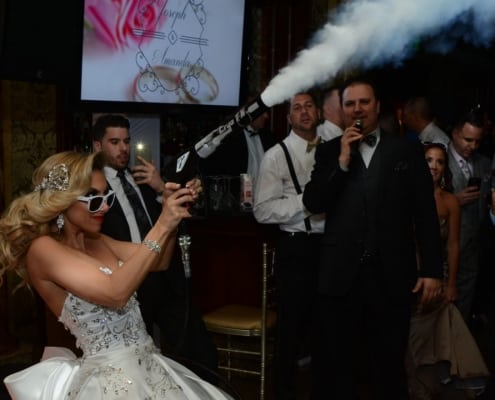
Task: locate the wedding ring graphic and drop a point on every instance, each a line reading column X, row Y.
column 198, row 84
column 159, row 84
column 163, row 84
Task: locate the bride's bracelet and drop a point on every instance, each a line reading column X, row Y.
column 152, row 245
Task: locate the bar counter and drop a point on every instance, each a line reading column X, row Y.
column 226, row 259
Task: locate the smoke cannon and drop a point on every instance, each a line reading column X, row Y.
column 187, row 163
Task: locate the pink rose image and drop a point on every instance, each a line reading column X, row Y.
column 122, row 23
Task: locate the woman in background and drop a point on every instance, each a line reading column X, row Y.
column 449, row 214
column 443, row 356
column 51, row 238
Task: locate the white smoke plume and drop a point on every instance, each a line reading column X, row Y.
column 368, row 33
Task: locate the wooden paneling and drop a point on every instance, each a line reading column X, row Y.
column 28, row 136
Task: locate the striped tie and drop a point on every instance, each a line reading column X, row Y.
column 465, row 168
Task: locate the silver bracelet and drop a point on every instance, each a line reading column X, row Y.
column 152, row 245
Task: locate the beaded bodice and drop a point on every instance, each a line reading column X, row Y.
column 120, row 362
column 98, row 329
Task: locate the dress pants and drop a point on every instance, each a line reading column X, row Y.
column 296, row 266
column 361, row 340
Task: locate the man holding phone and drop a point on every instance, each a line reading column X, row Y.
column 471, row 180
column 163, row 296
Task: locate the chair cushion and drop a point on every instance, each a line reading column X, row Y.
column 236, row 316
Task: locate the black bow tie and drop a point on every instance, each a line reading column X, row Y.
column 370, row 140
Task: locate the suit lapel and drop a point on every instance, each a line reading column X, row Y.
column 115, row 223
column 459, row 180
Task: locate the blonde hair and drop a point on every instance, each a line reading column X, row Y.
column 34, row 214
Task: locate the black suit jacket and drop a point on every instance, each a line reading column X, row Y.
column 231, row 157
column 401, row 212
column 115, row 224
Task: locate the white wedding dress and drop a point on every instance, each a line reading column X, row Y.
column 120, row 361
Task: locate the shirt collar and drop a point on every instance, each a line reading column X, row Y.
column 251, row 130
column 456, row 155
column 112, row 172
column 299, row 143
column 376, row 133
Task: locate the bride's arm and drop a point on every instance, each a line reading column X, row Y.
column 124, row 250
column 110, row 285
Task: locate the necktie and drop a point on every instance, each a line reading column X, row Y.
column 370, row 140
column 311, row 145
column 465, row 168
column 136, row 204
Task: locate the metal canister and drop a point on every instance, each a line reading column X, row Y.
column 246, row 192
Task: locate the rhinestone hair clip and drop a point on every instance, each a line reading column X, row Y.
column 57, row 179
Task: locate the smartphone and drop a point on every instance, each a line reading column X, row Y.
column 474, row 181
column 142, row 150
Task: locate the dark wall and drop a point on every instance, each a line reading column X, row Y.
column 39, row 40
column 454, row 82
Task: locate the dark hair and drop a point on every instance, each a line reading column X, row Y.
column 474, row 116
column 325, row 94
column 106, row 121
column 421, row 106
column 310, row 93
column 361, row 79
column 447, row 176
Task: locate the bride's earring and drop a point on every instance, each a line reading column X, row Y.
column 442, row 182
column 60, row 222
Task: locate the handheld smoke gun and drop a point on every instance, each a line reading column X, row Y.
column 187, row 163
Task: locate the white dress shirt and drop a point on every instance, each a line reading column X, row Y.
column 114, row 180
column 255, row 152
column 368, row 151
column 328, row 130
column 466, row 170
column 275, row 198
column 433, row 134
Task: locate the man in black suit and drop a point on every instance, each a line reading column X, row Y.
column 163, row 296
column 380, row 212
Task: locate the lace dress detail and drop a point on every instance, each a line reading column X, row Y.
column 120, row 361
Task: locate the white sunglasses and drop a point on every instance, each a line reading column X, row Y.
column 95, row 202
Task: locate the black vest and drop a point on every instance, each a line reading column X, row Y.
column 367, row 186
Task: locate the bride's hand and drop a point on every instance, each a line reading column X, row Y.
column 175, row 204
column 194, row 184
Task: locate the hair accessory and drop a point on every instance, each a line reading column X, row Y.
column 57, row 179
column 60, row 222
column 152, row 245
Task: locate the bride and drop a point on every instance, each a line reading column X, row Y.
column 51, row 238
